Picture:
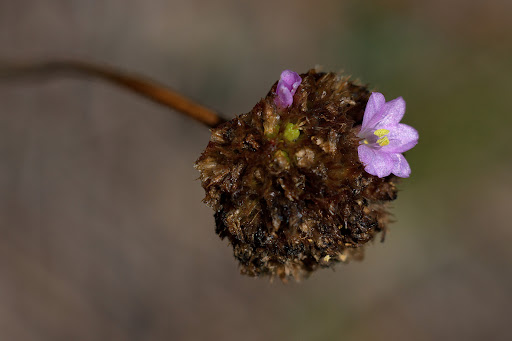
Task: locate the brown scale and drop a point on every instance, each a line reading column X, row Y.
column 289, row 206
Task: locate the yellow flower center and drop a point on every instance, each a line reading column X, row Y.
column 383, row 139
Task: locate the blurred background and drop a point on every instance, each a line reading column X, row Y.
column 103, row 235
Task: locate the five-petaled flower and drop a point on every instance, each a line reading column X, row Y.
column 384, row 139
column 286, row 87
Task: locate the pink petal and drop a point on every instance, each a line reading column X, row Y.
column 286, row 87
column 376, row 161
column 401, row 138
column 290, row 78
column 401, row 167
column 374, row 105
column 392, row 113
column 284, row 97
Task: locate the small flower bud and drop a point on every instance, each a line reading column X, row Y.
column 286, row 182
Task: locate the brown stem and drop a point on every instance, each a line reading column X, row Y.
column 144, row 87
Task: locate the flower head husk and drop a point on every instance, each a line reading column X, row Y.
column 289, row 205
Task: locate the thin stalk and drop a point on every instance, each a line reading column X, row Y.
column 138, row 84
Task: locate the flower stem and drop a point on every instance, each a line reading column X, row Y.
column 140, row 85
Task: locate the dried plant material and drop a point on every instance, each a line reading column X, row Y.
column 286, row 183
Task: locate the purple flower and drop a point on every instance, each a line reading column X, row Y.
column 384, row 139
column 286, row 87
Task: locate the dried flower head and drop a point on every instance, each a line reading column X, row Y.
column 286, row 181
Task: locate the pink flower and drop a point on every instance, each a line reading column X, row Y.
column 384, row 139
column 286, row 87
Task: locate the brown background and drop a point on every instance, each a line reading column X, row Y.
column 103, row 235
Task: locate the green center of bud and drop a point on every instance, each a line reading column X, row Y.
column 291, row 132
